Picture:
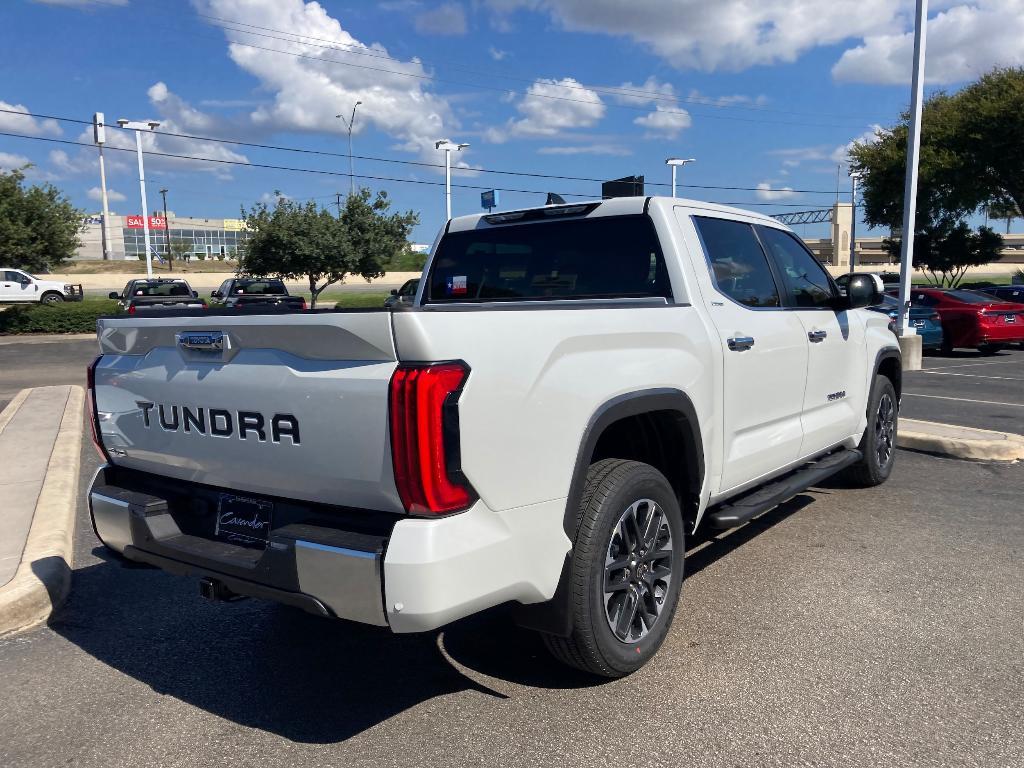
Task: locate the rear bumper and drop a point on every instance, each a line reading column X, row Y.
column 406, row 573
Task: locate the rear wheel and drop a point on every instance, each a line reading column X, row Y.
column 989, row 349
column 52, row 298
column 878, row 445
column 627, row 569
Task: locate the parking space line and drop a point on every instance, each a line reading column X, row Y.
column 971, row 365
column 975, row 375
column 964, row 400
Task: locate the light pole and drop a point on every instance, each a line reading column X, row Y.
column 903, row 326
column 448, row 146
column 854, row 177
column 167, row 231
column 99, row 131
column 676, row 162
column 138, row 127
column 349, row 123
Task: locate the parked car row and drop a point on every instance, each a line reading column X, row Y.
column 987, row 320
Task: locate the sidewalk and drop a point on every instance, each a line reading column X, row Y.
column 40, row 444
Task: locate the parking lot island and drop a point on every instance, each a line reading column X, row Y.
column 40, row 447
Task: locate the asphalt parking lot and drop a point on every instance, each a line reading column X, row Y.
column 847, row 627
column 968, row 389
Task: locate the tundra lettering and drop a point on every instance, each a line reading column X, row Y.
column 221, row 421
column 568, row 394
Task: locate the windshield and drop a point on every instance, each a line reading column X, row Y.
column 177, row 288
column 604, row 257
column 971, row 297
column 259, row 287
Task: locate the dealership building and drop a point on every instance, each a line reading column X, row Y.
column 206, row 238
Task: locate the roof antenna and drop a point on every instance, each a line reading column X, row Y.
column 555, row 199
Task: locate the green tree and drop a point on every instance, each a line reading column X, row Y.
column 39, row 226
column 947, row 249
column 302, row 241
column 180, row 248
column 1004, row 210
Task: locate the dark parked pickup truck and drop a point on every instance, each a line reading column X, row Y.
column 246, row 292
column 157, row 294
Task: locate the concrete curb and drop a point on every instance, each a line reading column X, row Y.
column 43, row 578
column 960, row 442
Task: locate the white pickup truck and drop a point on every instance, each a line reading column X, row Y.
column 18, row 286
column 573, row 391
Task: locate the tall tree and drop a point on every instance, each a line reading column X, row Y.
column 302, row 241
column 39, row 226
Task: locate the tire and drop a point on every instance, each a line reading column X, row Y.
column 989, row 349
column 947, row 346
column 622, row 496
column 879, row 442
column 51, row 297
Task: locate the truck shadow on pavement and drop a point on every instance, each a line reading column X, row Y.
column 305, row 678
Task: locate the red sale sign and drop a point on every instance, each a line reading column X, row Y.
column 136, row 222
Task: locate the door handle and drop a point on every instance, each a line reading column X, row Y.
column 817, row 336
column 740, row 343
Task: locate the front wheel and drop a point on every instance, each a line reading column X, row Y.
column 627, row 569
column 52, row 298
column 989, row 349
column 878, row 445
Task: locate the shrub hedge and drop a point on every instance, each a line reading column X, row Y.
column 70, row 317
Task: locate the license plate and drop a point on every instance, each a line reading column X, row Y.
column 1010, row 318
column 243, row 521
column 919, row 323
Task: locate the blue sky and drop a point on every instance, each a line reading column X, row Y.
column 585, row 88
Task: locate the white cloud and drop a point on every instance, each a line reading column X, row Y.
column 795, row 157
column 664, row 122
column 17, row 120
column 497, row 54
column 649, row 91
column 963, row 43
column 551, row 107
column 113, row 196
column 309, row 91
column 613, row 150
column 766, row 192
column 445, row 19
column 727, row 35
column 10, row 162
column 841, row 154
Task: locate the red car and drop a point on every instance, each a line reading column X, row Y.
column 973, row 318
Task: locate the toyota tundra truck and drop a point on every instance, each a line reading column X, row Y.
column 573, row 391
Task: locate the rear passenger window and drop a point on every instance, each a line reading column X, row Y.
column 738, row 264
column 805, row 281
column 593, row 258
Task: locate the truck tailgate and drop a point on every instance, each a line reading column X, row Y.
column 284, row 405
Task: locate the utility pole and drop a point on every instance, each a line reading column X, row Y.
column 99, row 130
column 854, row 176
column 448, row 147
column 903, row 327
column 349, row 123
column 675, row 162
column 167, row 231
column 138, row 127
column 337, row 201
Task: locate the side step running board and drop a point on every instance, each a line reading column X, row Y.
column 745, row 508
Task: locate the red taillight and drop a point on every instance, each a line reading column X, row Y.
column 303, row 303
column 131, row 309
column 90, row 406
column 424, row 437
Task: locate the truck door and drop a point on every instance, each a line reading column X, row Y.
column 764, row 352
column 9, row 286
column 835, row 395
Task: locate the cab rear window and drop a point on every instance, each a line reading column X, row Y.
column 605, row 257
column 259, row 287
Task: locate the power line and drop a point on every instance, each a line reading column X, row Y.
column 415, row 163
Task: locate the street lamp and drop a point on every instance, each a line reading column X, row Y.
column 138, row 127
column 676, row 162
column 349, row 123
column 855, row 176
column 448, row 147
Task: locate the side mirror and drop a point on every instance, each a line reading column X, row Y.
column 113, row 295
column 863, row 290
column 195, row 294
column 214, row 294
column 394, row 291
column 26, row 281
